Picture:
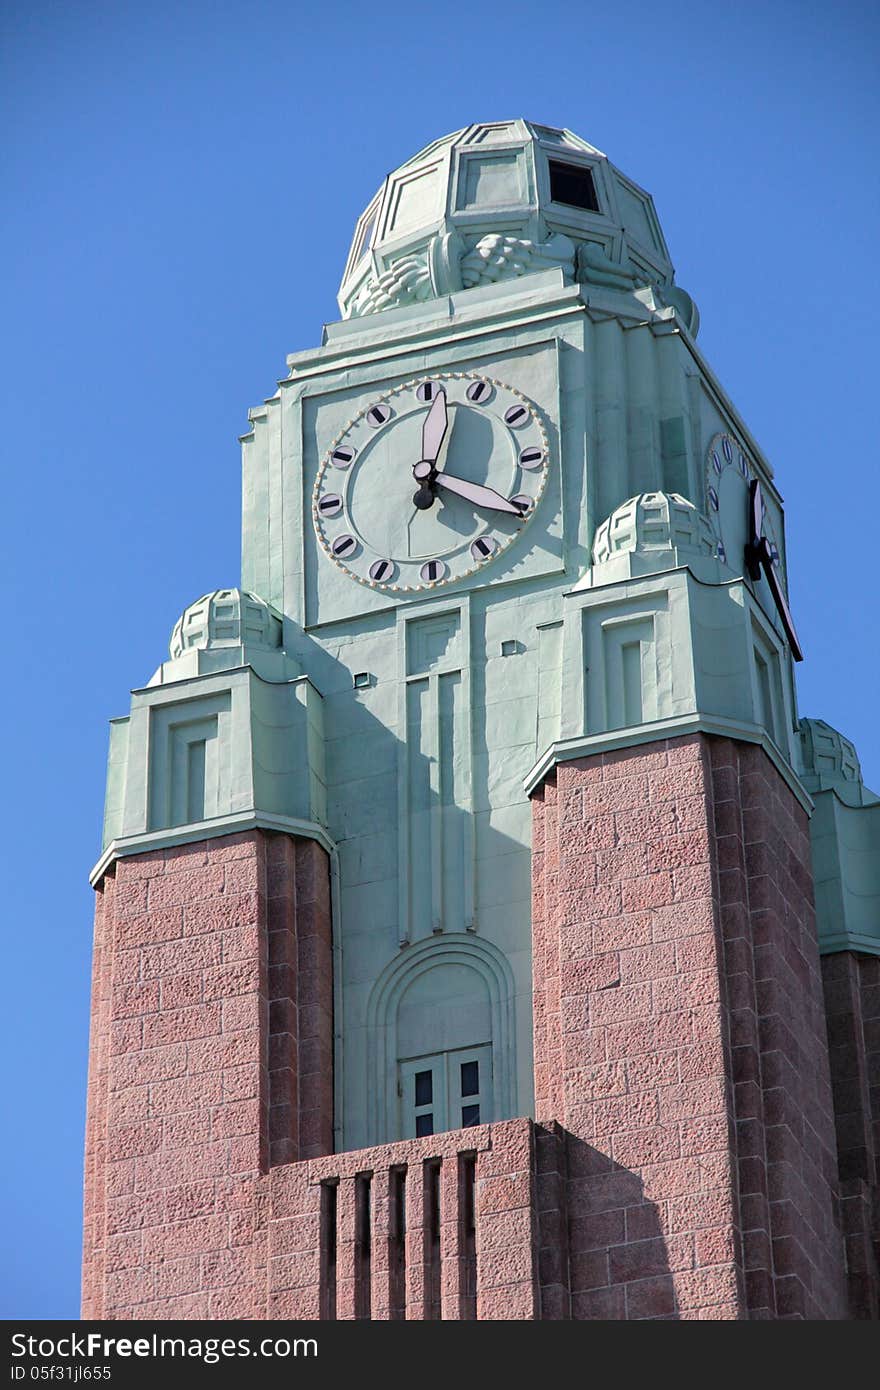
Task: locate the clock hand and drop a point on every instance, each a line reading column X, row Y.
column 433, row 434
column 477, row 493
column 756, row 511
column 756, row 519
column 434, row 428
column 780, row 600
column 760, row 557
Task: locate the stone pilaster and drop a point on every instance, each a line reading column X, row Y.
column 210, row 1061
column 679, row 1035
column 852, row 1002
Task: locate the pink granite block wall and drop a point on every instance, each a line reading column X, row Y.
column 187, row 1089
column 678, row 1035
column 852, row 1004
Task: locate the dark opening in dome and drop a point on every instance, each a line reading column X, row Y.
column 571, row 184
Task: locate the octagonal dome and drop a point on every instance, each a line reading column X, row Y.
column 829, row 759
column 492, row 202
column 651, row 522
column 226, row 618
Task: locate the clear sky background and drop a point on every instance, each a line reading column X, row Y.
column 180, row 182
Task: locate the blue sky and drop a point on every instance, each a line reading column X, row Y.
column 180, row 183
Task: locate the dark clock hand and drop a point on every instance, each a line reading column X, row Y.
column 780, row 600
column 759, row 557
column 476, row 493
column 756, row 521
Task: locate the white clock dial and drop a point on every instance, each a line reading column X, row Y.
column 430, row 482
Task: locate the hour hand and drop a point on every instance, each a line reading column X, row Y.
column 478, row 494
column 756, row 522
column 756, row 512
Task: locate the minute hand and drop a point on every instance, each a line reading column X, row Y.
column 475, row 492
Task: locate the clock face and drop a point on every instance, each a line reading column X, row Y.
column 475, row 495
column 728, row 474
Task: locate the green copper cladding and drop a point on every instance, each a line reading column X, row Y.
column 228, row 725
column 441, row 700
column 845, row 836
column 658, row 630
column 496, row 202
column 396, row 679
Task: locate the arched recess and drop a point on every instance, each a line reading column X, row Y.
column 383, row 1015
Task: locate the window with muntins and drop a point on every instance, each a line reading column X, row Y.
column 450, row 1090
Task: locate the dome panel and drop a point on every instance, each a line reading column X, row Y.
column 491, row 179
column 414, row 201
column 433, row 147
column 637, row 215
column 497, row 131
column 363, row 236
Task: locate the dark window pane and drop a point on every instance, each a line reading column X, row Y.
column 470, row 1078
column 470, row 1115
column 571, row 184
column 424, row 1088
column 425, row 1124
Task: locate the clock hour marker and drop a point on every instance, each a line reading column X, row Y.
column 522, row 501
column 728, row 449
column 434, row 569
column 744, row 465
column 330, row 504
column 713, row 499
column 380, row 570
column 722, row 553
column 716, row 463
column 516, row 415
column 482, row 548
column 378, row 414
column 343, row 545
column 478, row 391
column 343, row 456
column 531, row 458
column 426, row 391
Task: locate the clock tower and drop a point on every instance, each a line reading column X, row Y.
column 456, row 949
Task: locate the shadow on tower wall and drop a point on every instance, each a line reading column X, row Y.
column 603, row 1255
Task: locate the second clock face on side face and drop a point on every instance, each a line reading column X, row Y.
column 728, row 474
column 484, row 485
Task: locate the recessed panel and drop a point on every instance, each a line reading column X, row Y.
column 491, row 179
column 415, row 201
column 635, row 216
column 489, row 134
